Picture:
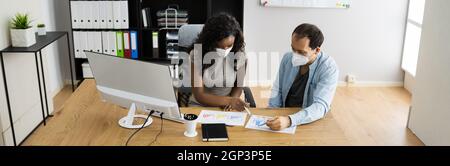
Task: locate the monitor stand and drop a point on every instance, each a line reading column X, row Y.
column 127, row 121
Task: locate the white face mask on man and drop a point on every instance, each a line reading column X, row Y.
column 299, row 59
column 223, row 52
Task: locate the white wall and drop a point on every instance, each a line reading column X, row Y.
column 55, row 13
column 409, row 82
column 21, row 69
column 365, row 40
column 430, row 113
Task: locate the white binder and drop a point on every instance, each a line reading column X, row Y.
column 105, row 42
column 102, row 14
column 87, row 14
column 112, row 43
column 95, row 11
column 117, row 14
column 109, row 14
column 98, row 42
column 83, row 14
column 90, row 14
column 90, row 41
column 76, row 44
column 124, row 14
column 74, row 7
column 83, row 43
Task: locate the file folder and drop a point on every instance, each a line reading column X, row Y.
column 95, row 14
column 83, row 14
column 98, row 42
column 146, row 18
column 112, row 43
column 126, row 45
column 102, row 14
column 117, row 15
column 134, row 45
column 155, row 39
column 119, row 44
column 90, row 41
column 155, row 52
column 109, row 14
column 76, row 44
column 124, row 14
column 75, row 7
column 105, row 43
column 83, row 43
column 88, row 14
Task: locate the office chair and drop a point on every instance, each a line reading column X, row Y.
column 187, row 36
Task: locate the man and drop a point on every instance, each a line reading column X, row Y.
column 307, row 78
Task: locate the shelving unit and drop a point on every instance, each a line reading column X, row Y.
column 199, row 11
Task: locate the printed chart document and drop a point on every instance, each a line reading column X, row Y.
column 258, row 122
column 229, row 118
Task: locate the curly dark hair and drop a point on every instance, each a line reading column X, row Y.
column 216, row 29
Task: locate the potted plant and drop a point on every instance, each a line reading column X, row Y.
column 41, row 30
column 22, row 34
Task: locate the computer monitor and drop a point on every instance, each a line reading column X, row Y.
column 126, row 82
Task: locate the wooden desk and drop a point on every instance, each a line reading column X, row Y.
column 86, row 120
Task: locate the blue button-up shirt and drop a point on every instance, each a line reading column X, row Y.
column 319, row 91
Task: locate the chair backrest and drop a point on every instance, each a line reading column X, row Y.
column 188, row 34
column 186, row 37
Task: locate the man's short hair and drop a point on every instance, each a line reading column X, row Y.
column 312, row 32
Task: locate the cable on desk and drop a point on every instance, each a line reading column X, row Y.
column 162, row 123
column 131, row 136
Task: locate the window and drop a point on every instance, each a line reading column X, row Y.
column 412, row 36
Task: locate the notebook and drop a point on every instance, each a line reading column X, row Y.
column 214, row 132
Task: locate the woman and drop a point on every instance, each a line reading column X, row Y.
column 222, row 41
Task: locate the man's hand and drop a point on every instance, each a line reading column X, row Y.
column 279, row 123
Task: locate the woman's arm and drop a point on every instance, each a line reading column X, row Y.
column 236, row 92
column 210, row 100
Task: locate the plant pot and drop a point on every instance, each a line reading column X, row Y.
column 42, row 31
column 23, row 37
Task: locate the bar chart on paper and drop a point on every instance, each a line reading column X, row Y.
column 229, row 118
column 257, row 122
column 340, row 4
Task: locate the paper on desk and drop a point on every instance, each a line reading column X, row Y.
column 229, row 118
column 257, row 122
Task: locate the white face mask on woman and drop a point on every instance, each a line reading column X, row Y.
column 222, row 52
column 299, row 59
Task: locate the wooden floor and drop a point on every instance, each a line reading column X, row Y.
column 367, row 116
